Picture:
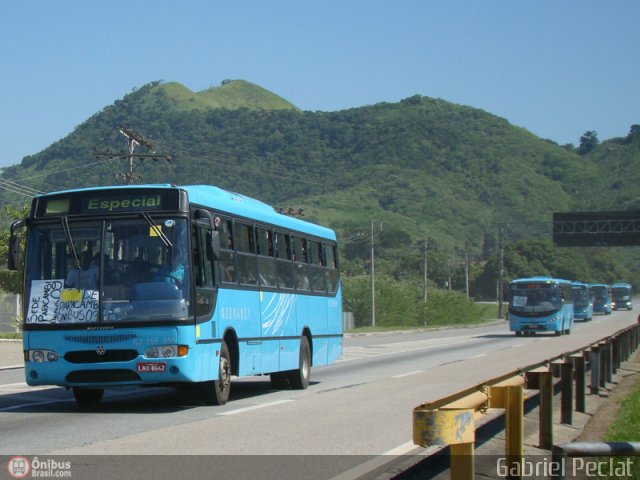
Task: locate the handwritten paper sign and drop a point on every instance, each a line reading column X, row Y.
column 50, row 302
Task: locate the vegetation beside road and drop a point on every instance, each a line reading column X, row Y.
column 626, row 428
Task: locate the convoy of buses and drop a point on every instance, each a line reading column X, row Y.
column 545, row 304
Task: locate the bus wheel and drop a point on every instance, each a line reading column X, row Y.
column 298, row 378
column 518, row 334
column 216, row 392
column 88, row 397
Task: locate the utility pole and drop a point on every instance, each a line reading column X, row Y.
column 134, row 139
column 373, row 283
column 466, row 271
column 501, row 271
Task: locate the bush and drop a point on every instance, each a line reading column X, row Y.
column 400, row 303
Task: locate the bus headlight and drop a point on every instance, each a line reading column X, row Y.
column 41, row 356
column 167, row 351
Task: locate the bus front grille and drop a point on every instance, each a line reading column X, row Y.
column 100, row 339
column 102, row 376
column 92, row 356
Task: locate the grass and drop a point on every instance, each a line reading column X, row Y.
column 9, row 336
column 488, row 312
column 626, row 428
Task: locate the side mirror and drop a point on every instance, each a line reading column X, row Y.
column 14, row 245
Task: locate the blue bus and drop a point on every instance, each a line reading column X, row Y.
column 540, row 304
column 159, row 285
column 582, row 301
column 621, row 296
column 601, row 298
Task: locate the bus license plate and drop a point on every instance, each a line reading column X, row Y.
column 151, row 367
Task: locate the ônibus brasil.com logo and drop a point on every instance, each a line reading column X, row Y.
column 20, row 467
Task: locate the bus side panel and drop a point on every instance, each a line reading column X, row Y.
column 240, row 311
column 334, row 326
column 278, row 316
column 312, row 313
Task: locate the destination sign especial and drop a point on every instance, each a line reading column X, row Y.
column 122, row 204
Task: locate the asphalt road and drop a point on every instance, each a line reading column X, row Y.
column 353, row 412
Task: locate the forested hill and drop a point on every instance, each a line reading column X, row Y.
column 421, row 166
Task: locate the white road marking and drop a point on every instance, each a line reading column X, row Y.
column 372, row 351
column 408, row 374
column 255, row 407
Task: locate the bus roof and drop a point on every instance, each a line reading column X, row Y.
column 541, row 280
column 226, row 202
column 621, row 285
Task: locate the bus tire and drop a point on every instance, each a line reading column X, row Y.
column 217, row 392
column 518, row 333
column 298, row 378
column 88, row 397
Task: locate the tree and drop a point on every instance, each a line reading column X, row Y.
column 11, row 282
column 588, row 142
column 634, row 134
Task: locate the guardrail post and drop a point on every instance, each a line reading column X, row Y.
column 595, row 370
column 566, row 399
column 603, row 366
column 462, row 461
column 615, row 345
column 609, row 365
column 510, row 396
column 579, row 368
column 542, row 380
column 626, row 345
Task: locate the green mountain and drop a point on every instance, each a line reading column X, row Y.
column 230, row 95
column 420, row 168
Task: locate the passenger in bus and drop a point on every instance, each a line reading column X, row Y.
column 138, row 271
column 85, row 278
column 173, row 273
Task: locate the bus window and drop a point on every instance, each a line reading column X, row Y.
column 266, row 263
column 283, row 260
column 332, row 268
column 247, row 270
column 227, row 258
column 300, row 263
column 203, row 271
column 316, row 273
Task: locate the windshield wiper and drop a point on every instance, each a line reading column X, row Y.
column 157, row 229
column 72, row 248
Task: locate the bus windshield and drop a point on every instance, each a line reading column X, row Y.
column 621, row 293
column 116, row 270
column 599, row 293
column 580, row 296
column 534, row 298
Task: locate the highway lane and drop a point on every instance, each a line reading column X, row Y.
column 362, row 405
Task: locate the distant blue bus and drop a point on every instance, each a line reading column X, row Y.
column 540, row 304
column 582, row 301
column 601, row 294
column 164, row 285
column 621, row 295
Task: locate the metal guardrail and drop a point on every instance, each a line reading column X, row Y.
column 451, row 420
column 594, row 449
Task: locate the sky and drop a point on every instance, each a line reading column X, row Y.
column 558, row 68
